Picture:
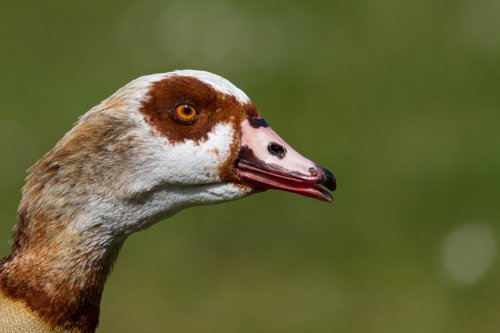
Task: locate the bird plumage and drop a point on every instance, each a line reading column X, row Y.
column 161, row 143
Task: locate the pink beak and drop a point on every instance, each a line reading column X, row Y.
column 267, row 161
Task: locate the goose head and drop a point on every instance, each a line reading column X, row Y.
column 169, row 141
column 161, row 143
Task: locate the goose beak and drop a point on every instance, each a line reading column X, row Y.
column 266, row 161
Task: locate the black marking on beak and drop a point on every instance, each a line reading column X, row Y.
column 258, row 122
column 329, row 180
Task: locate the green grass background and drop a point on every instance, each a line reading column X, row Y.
column 400, row 99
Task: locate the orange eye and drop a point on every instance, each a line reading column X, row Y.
column 185, row 113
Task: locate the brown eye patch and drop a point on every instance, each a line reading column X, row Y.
column 177, row 101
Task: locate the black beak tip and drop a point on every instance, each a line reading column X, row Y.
column 329, row 180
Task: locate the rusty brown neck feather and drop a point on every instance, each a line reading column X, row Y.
column 55, row 268
column 62, row 285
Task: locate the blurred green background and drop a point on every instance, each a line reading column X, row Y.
column 400, row 99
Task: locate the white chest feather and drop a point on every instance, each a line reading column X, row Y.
column 15, row 317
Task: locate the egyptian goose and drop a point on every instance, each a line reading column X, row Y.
column 161, row 143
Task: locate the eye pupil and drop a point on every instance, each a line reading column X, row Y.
column 185, row 113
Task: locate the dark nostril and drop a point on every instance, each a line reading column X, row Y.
column 277, row 150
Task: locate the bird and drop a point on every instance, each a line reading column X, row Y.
column 161, row 143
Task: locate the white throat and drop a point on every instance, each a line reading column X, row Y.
column 163, row 179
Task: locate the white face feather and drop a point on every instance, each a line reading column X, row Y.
column 184, row 163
